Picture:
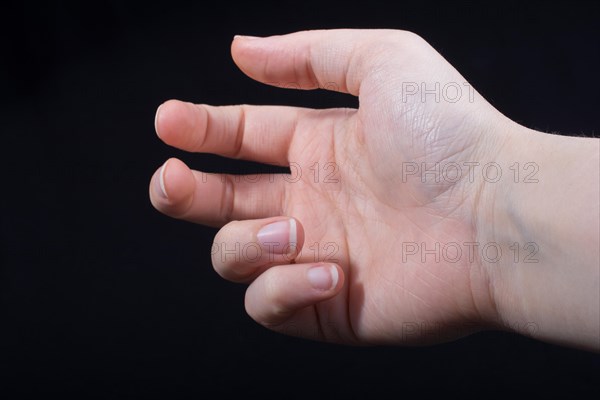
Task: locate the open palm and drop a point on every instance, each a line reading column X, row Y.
column 386, row 194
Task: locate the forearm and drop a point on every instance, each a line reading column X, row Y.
column 547, row 224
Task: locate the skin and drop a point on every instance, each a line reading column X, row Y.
column 369, row 213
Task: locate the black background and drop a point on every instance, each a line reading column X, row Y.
column 102, row 296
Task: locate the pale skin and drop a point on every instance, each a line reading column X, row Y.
column 385, row 272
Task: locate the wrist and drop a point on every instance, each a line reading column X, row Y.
column 541, row 226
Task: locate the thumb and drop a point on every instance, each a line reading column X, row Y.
column 337, row 59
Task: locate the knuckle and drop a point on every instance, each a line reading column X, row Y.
column 227, row 199
column 272, row 288
column 268, row 311
column 410, row 37
column 404, row 41
column 227, row 232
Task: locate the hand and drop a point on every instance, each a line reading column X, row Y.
column 366, row 246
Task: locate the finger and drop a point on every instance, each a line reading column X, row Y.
column 243, row 250
column 282, row 294
column 215, row 199
column 258, row 133
column 330, row 59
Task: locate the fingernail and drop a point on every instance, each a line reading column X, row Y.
column 323, row 277
column 156, row 120
column 161, row 180
column 244, row 37
column 279, row 237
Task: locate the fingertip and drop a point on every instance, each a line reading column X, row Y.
column 243, row 38
column 175, row 121
column 236, row 53
column 163, row 118
column 281, row 291
column 156, row 189
column 156, row 114
column 178, row 180
column 336, row 276
column 325, row 278
column 172, row 188
column 161, row 180
column 296, row 235
column 244, row 52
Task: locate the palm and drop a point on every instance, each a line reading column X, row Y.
column 378, row 223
